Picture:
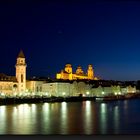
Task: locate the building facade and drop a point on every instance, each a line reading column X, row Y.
column 67, row 73
column 66, row 84
column 10, row 85
column 75, row 88
column 34, row 87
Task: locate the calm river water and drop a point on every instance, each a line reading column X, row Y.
column 88, row 117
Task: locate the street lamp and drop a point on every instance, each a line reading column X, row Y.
column 119, row 93
column 87, row 93
column 46, row 94
column 103, row 92
column 63, row 93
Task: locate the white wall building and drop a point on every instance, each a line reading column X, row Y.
column 34, row 87
column 57, row 89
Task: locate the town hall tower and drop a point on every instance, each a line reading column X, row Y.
column 21, row 72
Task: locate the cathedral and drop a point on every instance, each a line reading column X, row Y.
column 67, row 73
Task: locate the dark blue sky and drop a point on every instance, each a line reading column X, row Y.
column 102, row 33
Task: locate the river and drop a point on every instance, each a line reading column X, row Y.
column 87, row 117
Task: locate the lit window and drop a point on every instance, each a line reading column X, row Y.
column 103, row 92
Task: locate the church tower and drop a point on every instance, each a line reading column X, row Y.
column 79, row 70
column 90, row 72
column 68, row 68
column 21, row 72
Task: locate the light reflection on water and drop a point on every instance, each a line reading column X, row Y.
column 64, row 116
column 3, row 119
column 46, row 115
column 86, row 117
column 22, row 119
column 116, row 119
column 103, row 118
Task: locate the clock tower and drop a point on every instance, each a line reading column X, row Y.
column 21, row 72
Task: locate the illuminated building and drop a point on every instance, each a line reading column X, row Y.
column 18, row 85
column 21, row 72
column 57, row 89
column 66, row 84
column 34, row 86
column 15, row 84
column 67, row 73
column 8, row 84
column 76, row 88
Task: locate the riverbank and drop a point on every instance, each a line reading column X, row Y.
column 42, row 99
column 20, row 100
column 119, row 97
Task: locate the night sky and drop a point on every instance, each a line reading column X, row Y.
column 102, row 33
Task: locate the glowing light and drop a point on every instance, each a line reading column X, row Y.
column 33, row 107
column 103, row 118
column 119, row 93
column 2, row 94
column 64, row 105
column 88, row 106
column 2, row 110
column 64, row 118
column 103, row 92
column 3, row 119
column 87, row 117
column 103, row 107
column 46, row 107
column 63, row 93
column 87, row 92
column 115, row 93
column 15, row 94
column 116, row 119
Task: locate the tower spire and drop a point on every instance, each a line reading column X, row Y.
column 21, row 54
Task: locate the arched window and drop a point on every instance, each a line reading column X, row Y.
column 21, row 78
column 14, row 86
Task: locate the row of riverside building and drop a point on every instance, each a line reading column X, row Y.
column 66, row 83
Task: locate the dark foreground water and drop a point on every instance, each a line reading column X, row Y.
column 88, row 117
